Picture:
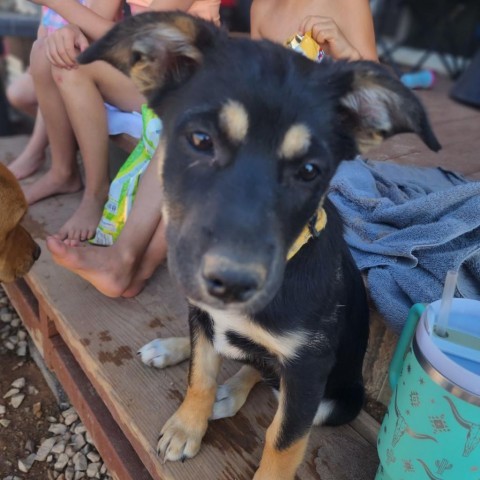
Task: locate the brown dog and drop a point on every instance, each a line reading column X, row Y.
column 18, row 250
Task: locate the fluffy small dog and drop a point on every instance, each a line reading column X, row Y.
column 252, row 135
column 18, row 250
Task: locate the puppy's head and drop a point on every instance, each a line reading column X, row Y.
column 252, row 135
column 18, row 251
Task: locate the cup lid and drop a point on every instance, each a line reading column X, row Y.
column 456, row 358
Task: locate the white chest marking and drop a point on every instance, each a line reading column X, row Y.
column 284, row 346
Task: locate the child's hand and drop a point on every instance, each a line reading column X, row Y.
column 64, row 45
column 326, row 33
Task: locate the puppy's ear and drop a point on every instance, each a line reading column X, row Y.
column 13, row 204
column 158, row 50
column 375, row 105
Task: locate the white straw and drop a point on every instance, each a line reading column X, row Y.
column 446, row 303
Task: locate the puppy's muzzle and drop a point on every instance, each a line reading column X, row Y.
column 230, row 280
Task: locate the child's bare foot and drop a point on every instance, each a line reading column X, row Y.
column 51, row 184
column 83, row 223
column 27, row 163
column 103, row 267
column 129, row 285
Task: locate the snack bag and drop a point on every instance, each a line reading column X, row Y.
column 124, row 186
column 307, row 46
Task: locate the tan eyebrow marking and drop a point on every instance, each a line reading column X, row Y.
column 296, row 142
column 234, row 121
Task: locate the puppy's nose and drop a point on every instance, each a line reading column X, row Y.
column 230, row 281
column 37, row 252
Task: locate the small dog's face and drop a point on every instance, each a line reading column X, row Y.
column 253, row 133
column 18, row 251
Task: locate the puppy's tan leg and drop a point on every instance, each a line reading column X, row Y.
column 234, row 392
column 182, row 435
column 280, row 462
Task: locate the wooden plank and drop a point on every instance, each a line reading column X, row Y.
column 441, row 108
column 103, row 334
column 366, row 426
column 116, row 451
column 381, row 345
column 48, row 330
column 26, row 305
column 458, row 153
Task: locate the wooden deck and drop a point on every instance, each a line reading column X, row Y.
column 90, row 341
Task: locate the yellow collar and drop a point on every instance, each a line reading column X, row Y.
column 314, row 226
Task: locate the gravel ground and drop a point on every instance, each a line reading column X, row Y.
column 39, row 439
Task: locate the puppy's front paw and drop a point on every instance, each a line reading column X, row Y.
column 228, row 401
column 164, row 352
column 180, row 440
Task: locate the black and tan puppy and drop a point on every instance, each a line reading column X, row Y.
column 253, row 133
column 18, row 251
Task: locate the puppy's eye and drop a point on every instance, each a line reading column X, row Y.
column 308, row 172
column 201, row 141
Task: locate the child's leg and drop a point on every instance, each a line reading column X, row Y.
column 154, row 255
column 123, row 268
column 21, row 94
column 63, row 176
column 83, row 90
column 33, row 155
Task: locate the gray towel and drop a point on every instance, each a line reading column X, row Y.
column 406, row 227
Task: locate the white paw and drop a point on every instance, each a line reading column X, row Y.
column 228, row 402
column 164, row 352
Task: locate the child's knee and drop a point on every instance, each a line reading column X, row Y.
column 62, row 78
column 66, row 79
column 15, row 97
column 40, row 67
column 21, row 94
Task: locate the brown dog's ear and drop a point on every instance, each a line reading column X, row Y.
column 157, row 50
column 375, row 105
column 13, row 204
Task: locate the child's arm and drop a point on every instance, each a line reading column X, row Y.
column 164, row 5
column 42, row 31
column 256, row 16
column 108, row 9
column 350, row 36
